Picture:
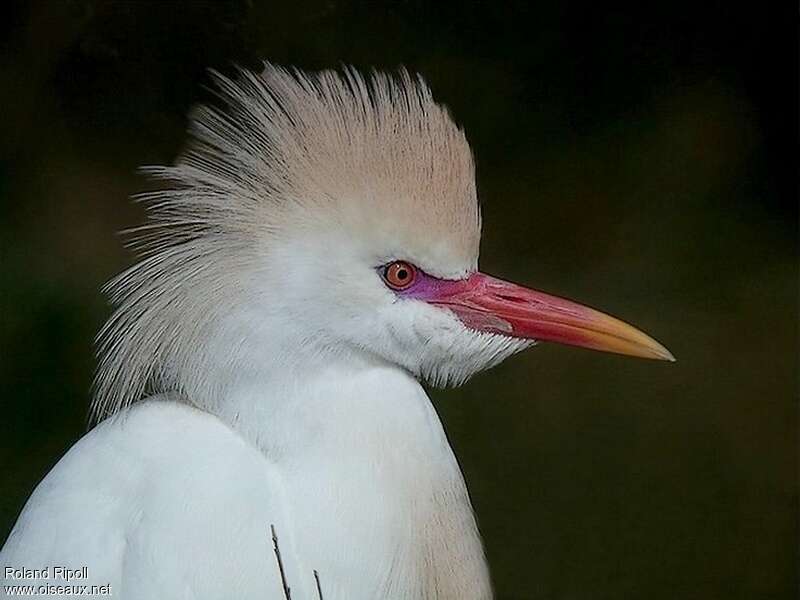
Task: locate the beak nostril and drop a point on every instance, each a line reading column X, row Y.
column 509, row 298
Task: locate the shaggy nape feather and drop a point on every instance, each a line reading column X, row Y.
column 283, row 143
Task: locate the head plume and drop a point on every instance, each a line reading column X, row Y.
column 286, row 149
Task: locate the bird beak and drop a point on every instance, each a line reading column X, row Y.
column 485, row 303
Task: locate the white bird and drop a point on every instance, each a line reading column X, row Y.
column 312, row 259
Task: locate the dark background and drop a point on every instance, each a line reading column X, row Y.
column 640, row 159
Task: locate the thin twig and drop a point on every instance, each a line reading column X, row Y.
column 319, row 587
column 287, row 592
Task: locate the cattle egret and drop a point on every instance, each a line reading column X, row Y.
column 311, row 261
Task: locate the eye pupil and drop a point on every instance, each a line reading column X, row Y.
column 402, row 274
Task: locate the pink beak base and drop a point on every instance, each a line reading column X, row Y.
column 485, row 303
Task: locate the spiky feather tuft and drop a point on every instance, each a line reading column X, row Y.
column 284, row 143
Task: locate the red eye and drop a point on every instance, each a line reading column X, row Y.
column 399, row 275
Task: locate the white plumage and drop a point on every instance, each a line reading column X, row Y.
column 262, row 366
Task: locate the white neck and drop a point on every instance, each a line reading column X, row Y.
column 292, row 411
column 364, row 460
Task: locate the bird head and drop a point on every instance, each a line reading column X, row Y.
column 317, row 217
